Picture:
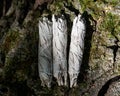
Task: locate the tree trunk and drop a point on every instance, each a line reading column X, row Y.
column 92, row 72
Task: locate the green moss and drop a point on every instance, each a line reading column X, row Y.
column 36, row 14
column 11, row 39
column 9, row 68
column 83, row 85
column 57, row 6
column 111, row 24
column 86, row 94
column 20, row 75
column 111, row 2
column 85, row 4
column 93, row 8
column 96, row 9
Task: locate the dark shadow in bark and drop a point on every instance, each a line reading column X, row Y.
column 105, row 87
column 71, row 8
column 3, row 90
column 1, row 8
column 2, row 58
column 32, row 39
column 20, row 89
column 115, row 48
column 8, row 4
column 23, row 13
column 90, row 28
column 42, row 7
column 4, row 6
column 69, row 26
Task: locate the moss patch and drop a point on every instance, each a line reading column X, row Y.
column 10, row 41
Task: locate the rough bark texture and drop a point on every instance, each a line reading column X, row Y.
column 100, row 68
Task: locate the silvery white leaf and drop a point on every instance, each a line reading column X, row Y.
column 76, row 49
column 60, row 49
column 45, row 52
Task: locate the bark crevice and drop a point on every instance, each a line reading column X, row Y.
column 105, row 87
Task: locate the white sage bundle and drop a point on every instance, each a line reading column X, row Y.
column 76, row 49
column 45, row 52
column 60, row 49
